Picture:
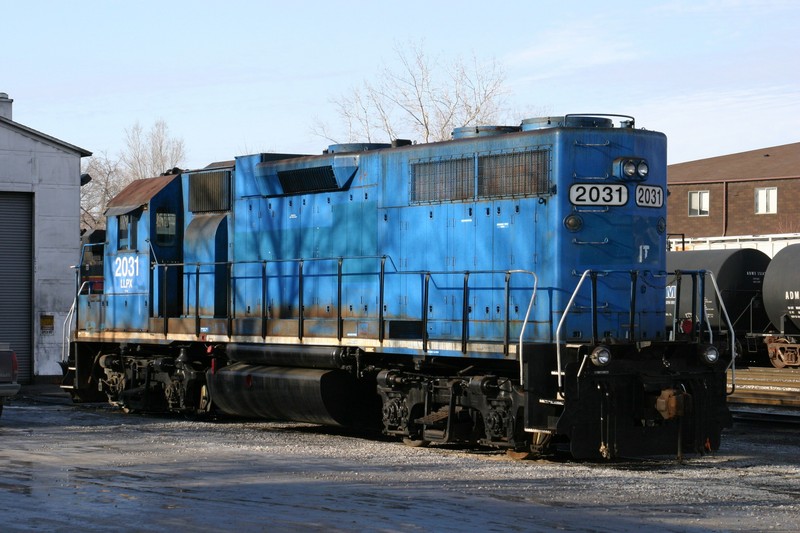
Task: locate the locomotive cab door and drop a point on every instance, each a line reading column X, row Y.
column 206, row 274
column 166, row 245
column 126, row 267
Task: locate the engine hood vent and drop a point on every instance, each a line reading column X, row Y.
column 306, row 175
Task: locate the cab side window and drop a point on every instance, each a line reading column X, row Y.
column 126, row 232
column 165, row 227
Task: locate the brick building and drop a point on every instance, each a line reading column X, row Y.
column 746, row 194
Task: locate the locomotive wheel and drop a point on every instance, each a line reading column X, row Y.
column 415, row 443
column 519, row 455
column 776, row 361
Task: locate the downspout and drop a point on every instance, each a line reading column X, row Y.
column 724, row 208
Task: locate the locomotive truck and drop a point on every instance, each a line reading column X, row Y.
column 503, row 288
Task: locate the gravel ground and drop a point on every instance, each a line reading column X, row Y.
column 64, row 467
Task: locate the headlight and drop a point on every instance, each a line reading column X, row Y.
column 573, row 222
column 601, row 356
column 709, row 354
column 629, row 168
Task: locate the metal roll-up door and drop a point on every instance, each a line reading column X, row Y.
column 16, row 277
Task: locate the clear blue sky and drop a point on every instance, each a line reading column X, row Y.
column 236, row 77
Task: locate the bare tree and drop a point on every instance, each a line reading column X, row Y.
column 421, row 99
column 150, row 154
column 105, row 184
column 146, row 154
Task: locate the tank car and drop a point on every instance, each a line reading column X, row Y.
column 782, row 304
column 739, row 276
column 503, row 288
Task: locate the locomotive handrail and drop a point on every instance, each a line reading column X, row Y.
column 152, row 250
column 428, row 277
column 67, row 326
column 732, row 365
column 561, row 324
column 593, row 274
column 605, row 209
column 79, row 266
column 604, row 241
column 583, row 178
column 525, row 321
column 588, row 145
column 704, row 313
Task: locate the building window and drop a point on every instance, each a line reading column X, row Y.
column 766, row 200
column 698, row 203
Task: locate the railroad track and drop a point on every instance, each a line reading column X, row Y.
column 766, row 386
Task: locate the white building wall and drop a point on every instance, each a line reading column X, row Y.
column 769, row 244
column 52, row 174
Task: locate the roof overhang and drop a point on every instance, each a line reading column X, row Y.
column 45, row 138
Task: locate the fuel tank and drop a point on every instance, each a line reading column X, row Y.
column 317, row 396
column 305, row 356
column 740, row 277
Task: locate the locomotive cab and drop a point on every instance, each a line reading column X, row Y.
column 144, row 232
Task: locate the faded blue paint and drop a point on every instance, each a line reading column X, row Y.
column 373, row 217
column 365, row 213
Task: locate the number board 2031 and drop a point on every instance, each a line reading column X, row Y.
column 649, row 196
column 595, row 194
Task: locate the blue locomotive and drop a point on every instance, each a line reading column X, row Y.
column 504, row 288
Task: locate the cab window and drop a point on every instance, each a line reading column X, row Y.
column 126, row 232
column 165, row 227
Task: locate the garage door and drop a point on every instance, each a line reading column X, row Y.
column 16, row 277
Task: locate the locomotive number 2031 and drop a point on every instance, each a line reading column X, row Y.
column 649, row 196
column 125, row 267
column 125, row 270
column 595, row 194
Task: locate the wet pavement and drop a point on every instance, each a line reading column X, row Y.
column 65, row 467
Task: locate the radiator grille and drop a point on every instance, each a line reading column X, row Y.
column 523, row 173
column 210, row 191
column 514, row 174
column 439, row 181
